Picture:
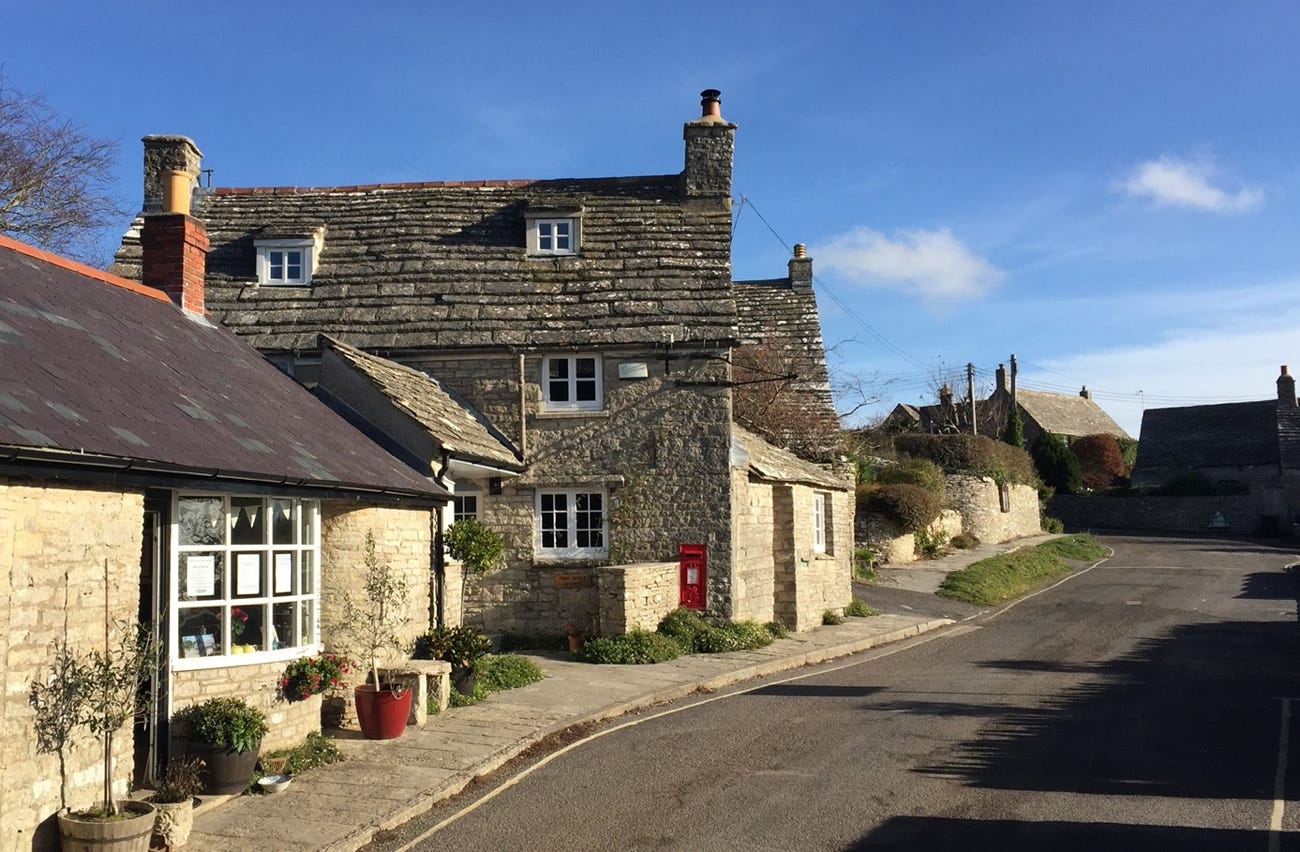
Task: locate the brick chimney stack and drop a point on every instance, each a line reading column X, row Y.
column 801, row 276
column 1001, row 378
column 710, row 144
column 1286, row 389
column 174, row 245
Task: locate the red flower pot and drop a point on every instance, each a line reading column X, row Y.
column 381, row 713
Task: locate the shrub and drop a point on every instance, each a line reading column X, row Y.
column 1101, row 461
column 223, row 722
column 859, row 609
column 308, row 676
column 930, row 542
column 776, row 630
column 507, row 671
column 830, row 616
column 922, row 472
column 1128, row 448
column 1193, row 483
column 533, row 642
column 637, row 647
column 912, row 507
column 475, row 546
column 698, row 635
column 683, row 625
column 1056, row 464
column 1014, row 433
column 1052, row 525
column 976, row 455
column 316, row 750
column 460, row 646
column 964, row 541
column 181, row 782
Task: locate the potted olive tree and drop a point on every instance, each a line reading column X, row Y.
column 370, row 626
column 226, row 734
column 99, row 691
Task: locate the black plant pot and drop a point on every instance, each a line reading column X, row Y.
column 225, row 772
column 463, row 680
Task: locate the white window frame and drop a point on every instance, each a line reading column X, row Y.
column 543, row 245
column 458, row 512
column 306, row 250
column 571, row 382
column 819, row 501
column 303, row 554
column 571, row 531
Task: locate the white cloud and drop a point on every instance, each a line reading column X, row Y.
column 932, row 265
column 1172, row 182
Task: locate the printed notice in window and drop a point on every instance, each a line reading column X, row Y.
column 248, row 574
column 201, row 576
column 283, row 573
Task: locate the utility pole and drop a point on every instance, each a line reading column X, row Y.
column 1013, row 381
column 970, row 395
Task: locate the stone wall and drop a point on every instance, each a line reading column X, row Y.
column 259, row 685
column 756, row 530
column 402, row 541
column 54, row 541
column 636, row 597
column 808, row 582
column 1159, row 514
column 979, row 501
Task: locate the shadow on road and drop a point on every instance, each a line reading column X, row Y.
column 922, row 834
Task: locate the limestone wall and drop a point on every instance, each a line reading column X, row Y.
column 54, row 541
column 979, row 501
column 754, row 579
column 258, row 684
column 636, row 597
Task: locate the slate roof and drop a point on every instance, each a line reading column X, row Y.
column 102, row 372
column 1067, row 414
column 774, row 464
column 1225, row 435
column 455, row 424
column 443, row 264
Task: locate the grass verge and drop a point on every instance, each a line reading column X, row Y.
column 1083, row 548
column 1010, row 575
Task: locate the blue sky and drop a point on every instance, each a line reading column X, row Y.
column 1111, row 191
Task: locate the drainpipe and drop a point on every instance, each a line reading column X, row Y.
column 523, row 407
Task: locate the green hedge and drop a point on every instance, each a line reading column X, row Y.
column 914, row 508
column 976, row 455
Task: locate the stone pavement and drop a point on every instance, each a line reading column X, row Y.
column 384, row 783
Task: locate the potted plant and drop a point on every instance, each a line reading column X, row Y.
column 475, row 546
column 308, row 676
column 369, row 627
column 100, row 691
column 460, row 646
column 174, row 799
column 226, row 734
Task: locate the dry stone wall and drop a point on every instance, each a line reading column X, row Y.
column 54, row 541
column 636, row 597
column 979, row 501
column 1241, row 513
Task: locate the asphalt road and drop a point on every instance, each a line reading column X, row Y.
column 1138, row 705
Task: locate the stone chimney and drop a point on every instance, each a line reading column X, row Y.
column 1085, row 393
column 174, row 245
column 1286, row 389
column 1001, row 375
column 710, row 143
column 800, row 269
column 162, row 156
column 945, row 396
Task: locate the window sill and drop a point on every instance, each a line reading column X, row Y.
column 562, row 413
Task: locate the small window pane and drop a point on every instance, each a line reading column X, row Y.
column 308, row 522
column 248, row 577
column 250, row 521
column 282, row 621
column 246, row 624
column 283, row 572
column 307, row 611
column 202, row 576
column 282, row 521
column 306, row 572
column 293, row 266
column 277, row 266
column 202, row 520
column 585, row 368
column 586, row 390
column 201, row 632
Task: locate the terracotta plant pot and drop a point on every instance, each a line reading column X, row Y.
column 225, row 772
column 123, row 835
column 174, row 824
column 381, row 713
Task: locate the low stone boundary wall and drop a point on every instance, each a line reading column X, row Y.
column 636, row 596
column 1238, row 514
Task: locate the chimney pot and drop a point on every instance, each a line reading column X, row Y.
column 176, row 192
column 711, row 103
column 800, row 250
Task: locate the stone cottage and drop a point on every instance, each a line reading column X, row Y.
column 154, row 466
column 582, row 329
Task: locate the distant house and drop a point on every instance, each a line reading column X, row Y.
column 154, row 466
column 561, row 354
column 1255, row 445
column 1067, row 415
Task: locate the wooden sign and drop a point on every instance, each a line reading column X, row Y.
column 573, row 581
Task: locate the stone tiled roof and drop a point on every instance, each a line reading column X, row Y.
column 457, row 426
column 777, row 465
column 771, row 312
column 416, row 266
column 1199, row 436
column 1067, row 414
column 102, row 372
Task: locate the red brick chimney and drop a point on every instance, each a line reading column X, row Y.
column 1286, row 389
column 175, row 248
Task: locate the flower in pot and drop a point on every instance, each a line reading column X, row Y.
column 369, row 628
column 308, row 676
column 100, row 691
column 226, row 733
column 462, row 646
column 173, row 796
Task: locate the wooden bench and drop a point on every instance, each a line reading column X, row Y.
column 421, row 676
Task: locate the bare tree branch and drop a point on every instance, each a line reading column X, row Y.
column 55, row 178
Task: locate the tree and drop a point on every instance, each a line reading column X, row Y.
column 1100, row 459
column 55, row 177
column 1056, row 465
column 1014, row 434
column 769, row 397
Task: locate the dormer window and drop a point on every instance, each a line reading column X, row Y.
column 553, row 233
column 289, row 261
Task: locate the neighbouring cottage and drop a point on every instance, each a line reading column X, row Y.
column 561, row 354
column 154, row 466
